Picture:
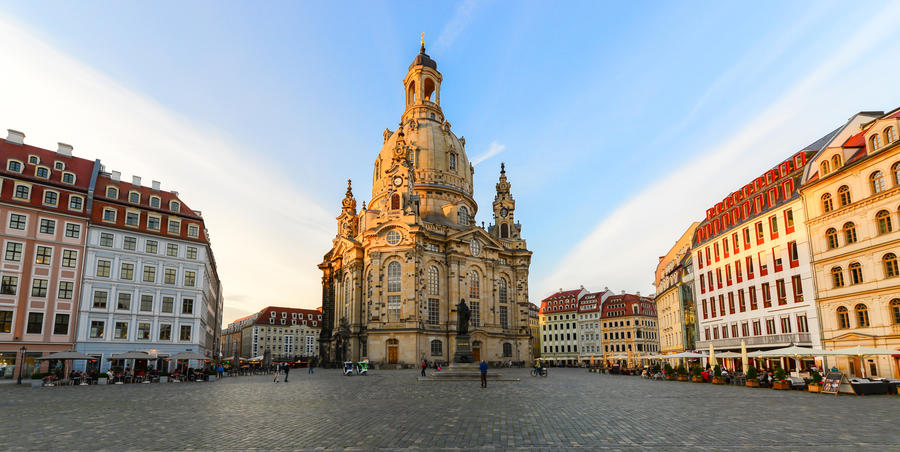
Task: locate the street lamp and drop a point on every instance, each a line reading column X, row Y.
column 21, row 365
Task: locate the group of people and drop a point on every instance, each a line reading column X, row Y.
column 435, row 365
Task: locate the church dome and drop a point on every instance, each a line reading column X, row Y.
column 424, row 60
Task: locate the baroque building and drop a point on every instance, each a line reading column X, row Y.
column 674, row 297
column 398, row 268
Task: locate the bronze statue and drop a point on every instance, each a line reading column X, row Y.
column 463, row 314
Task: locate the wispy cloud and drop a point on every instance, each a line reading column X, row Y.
column 455, row 26
column 260, row 224
column 494, row 149
column 623, row 248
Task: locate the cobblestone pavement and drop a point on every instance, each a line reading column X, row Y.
column 392, row 410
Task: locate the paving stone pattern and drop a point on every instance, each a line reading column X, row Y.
column 392, row 410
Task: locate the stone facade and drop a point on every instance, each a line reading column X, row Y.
column 677, row 318
column 397, row 269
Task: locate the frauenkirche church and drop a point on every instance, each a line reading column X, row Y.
column 399, row 266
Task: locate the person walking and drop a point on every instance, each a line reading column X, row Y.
column 277, row 373
column 287, row 371
column 424, row 364
column 483, row 368
column 311, row 365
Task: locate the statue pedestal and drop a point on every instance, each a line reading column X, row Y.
column 463, row 352
column 464, row 366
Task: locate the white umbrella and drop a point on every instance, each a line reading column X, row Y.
column 744, row 362
column 861, row 351
column 66, row 356
column 712, row 357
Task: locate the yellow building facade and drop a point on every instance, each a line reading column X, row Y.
column 852, row 195
column 398, row 269
column 677, row 317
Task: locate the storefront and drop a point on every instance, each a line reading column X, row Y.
column 9, row 361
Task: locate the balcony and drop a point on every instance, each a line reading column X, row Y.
column 773, row 340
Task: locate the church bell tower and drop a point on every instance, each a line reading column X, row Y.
column 505, row 228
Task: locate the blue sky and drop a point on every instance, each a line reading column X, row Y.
column 614, row 121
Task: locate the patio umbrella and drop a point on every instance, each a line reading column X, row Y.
column 70, row 355
column 189, row 356
column 728, row 355
column 712, row 356
column 131, row 355
column 860, row 351
column 744, row 365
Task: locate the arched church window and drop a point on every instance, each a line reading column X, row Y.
column 463, row 215
column 395, row 201
column 501, row 290
column 474, row 285
column 394, row 277
column 369, row 285
column 504, row 231
column 411, row 93
column 348, row 292
column 452, row 162
column 434, row 287
column 429, row 90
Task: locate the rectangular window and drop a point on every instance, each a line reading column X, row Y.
column 191, row 252
column 153, row 222
column 734, row 330
column 728, row 274
column 121, row 331
column 97, row 329
column 788, row 221
column 785, row 325
column 700, row 259
column 43, row 255
column 749, row 267
column 169, row 276
column 702, row 284
column 61, row 324
column 725, row 247
column 172, row 250
column 757, row 328
column 793, row 254
column 708, row 261
column 715, row 332
column 130, row 243
column 722, row 304
column 124, row 303
column 22, row 192
column 13, row 252
column 132, row 219
column 17, row 221
column 106, row 239
column 193, row 230
column 143, row 331
column 773, row 227
column 745, row 329
column 76, row 202
column 742, row 305
column 149, row 274
column 747, row 238
column 146, row 303
column 706, row 333
column 39, row 288
column 168, row 304
column 704, row 308
column 731, row 302
column 737, row 271
column 5, row 321
column 393, row 308
column 434, row 311
column 109, row 215
column 165, row 332
column 73, row 230
column 35, row 323
column 103, row 268
column 780, row 291
column 151, row 246
column 190, row 278
column 763, row 266
column 767, row 295
column 776, row 259
column 185, row 333
column 716, row 251
column 187, row 306
column 100, row 300
column 174, row 226
column 719, row 278
column 770, row 326
column 66, row 290
column 712, row 307
column 126, row 271
column 797, row 287
column 476, row 313
column 70, row 258
column 802, row 326
column 760, row 237
column 735, row 243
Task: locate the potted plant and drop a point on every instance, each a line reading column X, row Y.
column 163, row 377
column 816, row 384
column 211, row 374
column 780, row 381
column 752, row 377
column 695, row 375
column 37, row 379
column 682, row 372
column 670, row 373
column 717, row 375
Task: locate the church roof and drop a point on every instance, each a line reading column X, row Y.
column 422, row 59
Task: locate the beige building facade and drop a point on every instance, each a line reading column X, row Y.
column 398, row 269
column 851, row 193
column 675, row 308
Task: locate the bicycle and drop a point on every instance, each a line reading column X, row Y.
column 534, row 372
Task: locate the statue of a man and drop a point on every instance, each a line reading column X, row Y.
column 463, row 314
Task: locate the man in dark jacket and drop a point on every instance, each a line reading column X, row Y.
column 483, row 368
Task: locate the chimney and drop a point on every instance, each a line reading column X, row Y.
column 638, row 293
column 606, row 288
column 64, row 149
column 15, row 137
column 136, row 181
column 623, row 292
column 115, row 176
column 156, row 185
column 174, row 192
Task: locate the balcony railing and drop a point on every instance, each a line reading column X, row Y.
column 756, row 341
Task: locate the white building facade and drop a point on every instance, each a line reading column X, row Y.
column 590, row 334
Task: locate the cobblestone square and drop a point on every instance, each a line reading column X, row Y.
column 392, row 410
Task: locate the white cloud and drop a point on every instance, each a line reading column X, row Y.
column 455, row 26
column 494, row 149
column 623, row 248
column 260, row 225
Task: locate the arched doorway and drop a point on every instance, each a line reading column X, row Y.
column 393, row 350
column 476, row 351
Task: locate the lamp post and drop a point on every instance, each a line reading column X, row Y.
column 21, row 365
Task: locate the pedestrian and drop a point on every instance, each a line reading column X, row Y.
column 287, row 370
column 277, row 373
column 311, row 365
column 221, row 371
column 483, row 368
column 424, row 364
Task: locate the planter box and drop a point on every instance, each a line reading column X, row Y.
column 697, row 379
column 212, row 378
column 718, row 381
column 752, row 383
column 683, row 378
column 164, row 379
column 37, row 383
column 102, row 381
column 815, row 388
column 671, row 377
column 781, row 385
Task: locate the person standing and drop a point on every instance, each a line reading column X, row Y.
column 483, row 368
column 277, row 373
column 287, row 371
column 311, row 365
column 424, row 364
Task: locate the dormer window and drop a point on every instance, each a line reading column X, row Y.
column 14, row 166
column 284, row 315
column 154, row 202
column 174, row 206
column 876, row 141
column 59, row 166
column 68, row 178
column 836, row 161
column 112, row 192
column 33, row 160
column 193, row 230
column 272, row 314
column 134, row 197
column 43, row 172
column 889, row 135
column 51, row 198
column 174, row 226
column 826, row 168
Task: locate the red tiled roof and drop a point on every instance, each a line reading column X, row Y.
column 82, row 168
column 856, row 141
column 124, row 187
column 302, row 314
